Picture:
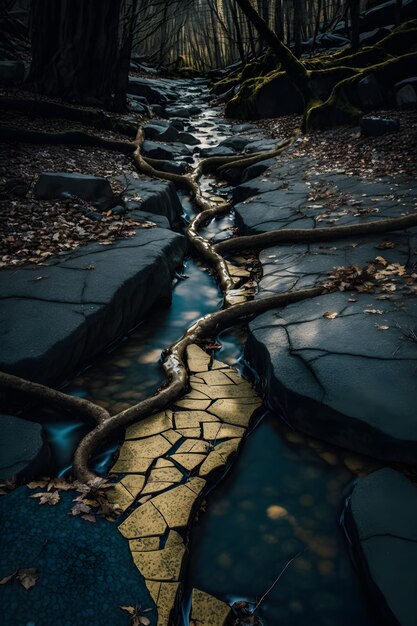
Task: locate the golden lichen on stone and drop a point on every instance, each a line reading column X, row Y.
column 144, row 544
column 215, row 392
column 215, row 377
column 163, row 565
column 131, row 465
column 152, row 425
column 118, row 494
column 173, row 539
column 213, row 461
column 227, row 448
column 196, row 484
column 175, row 506
column 191, row 445
column 190, row 432
column 133, row 483
column 145, row 521
column 212, row 430
column 192, row 404
column 197, row 359
column 149, row 448
column 153, row 587
column 235, row 411
column 207, row 610
column 188, row 461
column 166, row 602
column 192, row 419
column 172, row 436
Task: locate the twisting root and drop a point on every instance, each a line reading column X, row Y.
column 174, row 358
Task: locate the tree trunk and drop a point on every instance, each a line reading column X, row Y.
column 75, row 49
column 290, row 64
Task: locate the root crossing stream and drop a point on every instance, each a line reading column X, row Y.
column 282, row 496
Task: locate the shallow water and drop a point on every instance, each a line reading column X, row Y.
column 278, row 500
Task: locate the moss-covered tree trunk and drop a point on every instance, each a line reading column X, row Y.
column 75, row 49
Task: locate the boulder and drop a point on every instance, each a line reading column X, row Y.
column 383, row 520
column 257, row 169
column 406, row 97
column 155, row 196
column 188, row 139
column 370, row 92
column 161, row 132
column 237, row 143
column 182, row 112
column 373, row 36
column 216, row 151
column 162, row 151
column 23, row 451
column 11, row 72
column 142, row 87
column 52, row 185
column 377, row 126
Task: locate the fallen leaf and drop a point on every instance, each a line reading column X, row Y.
column 47, row 497
column 129, row 609
column 374, row 311
column 7, row 579
column 382, row 327
column 36, row 484
column 89, row 518
column 27, row 577
column 330, row 315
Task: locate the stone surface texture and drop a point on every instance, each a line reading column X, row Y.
column 383, row 510
column 166, row 463
column 342, row 366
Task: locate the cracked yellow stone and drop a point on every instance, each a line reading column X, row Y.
column 149, row 448
column 132, row 466
column 213, row 461
column 192, row 419
column 244, row 390
column 212, row 431
column 156, row 487
column 207, row 610
column 170, row 474
column 163, row 463
column 194, row 395
column 172, row 436
column 173, row 539
column 175, row 505
column 145, row 521
column 227, row 448
column 198, row 405
column 218, row 365
column 133, row 483
column 188, row 461
column 153, row 588
column 118, row 494
column 190, row 432
column 233, row 411
column 145, row 544
column 166, row 602
column 215, row 378
column 191, row 445
column 234, row 377
column 197, row 359
column 163, row 565
column 152, row 425
column 196, row 484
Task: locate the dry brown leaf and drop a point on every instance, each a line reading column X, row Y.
column 383, row 327
column 7, row 579
column 47, row 497
column 374, row 311
column 27, row 577
column 330, row 315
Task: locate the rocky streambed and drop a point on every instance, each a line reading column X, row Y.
column 329, row 371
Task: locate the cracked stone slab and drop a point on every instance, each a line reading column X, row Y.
column 174, row 463
column 207, row 610
column 51, row 326
column 383, row 511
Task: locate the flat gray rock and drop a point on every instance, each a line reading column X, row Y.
column 153, row 196
column 52, row 185
column 85, row 301
column 22, row 447
column 169, row 152
column 383, row 512
column 348, row 378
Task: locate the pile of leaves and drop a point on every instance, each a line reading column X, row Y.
column 378, row 276
column 345, row 150
column 34, row 231
column 90, row 504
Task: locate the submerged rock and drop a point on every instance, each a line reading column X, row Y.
column 383, row 513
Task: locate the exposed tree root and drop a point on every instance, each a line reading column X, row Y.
column 293, row 235
column 91, row 117
column 174, row 358
column 71, row 138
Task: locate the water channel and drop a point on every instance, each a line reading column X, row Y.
column 279, row 499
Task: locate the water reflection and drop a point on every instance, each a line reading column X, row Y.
column 279, row 501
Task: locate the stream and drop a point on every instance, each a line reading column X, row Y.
column 279, row 498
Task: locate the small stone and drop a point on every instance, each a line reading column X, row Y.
column 208, row 610
column 146, row 521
